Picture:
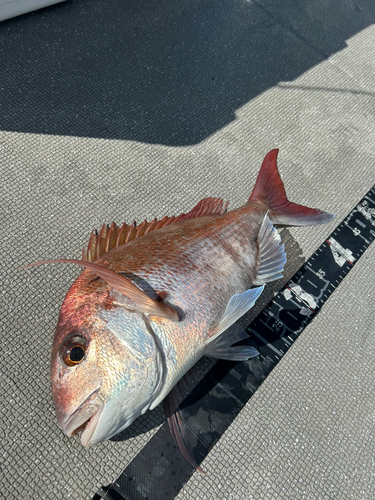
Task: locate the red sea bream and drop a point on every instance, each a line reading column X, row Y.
column 160, row 296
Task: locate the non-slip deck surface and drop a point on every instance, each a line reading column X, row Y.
column 122, row 110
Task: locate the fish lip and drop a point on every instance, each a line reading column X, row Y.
column 87, row 413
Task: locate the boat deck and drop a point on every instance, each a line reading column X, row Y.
column 129, row 110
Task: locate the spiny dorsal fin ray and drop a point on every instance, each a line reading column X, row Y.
column 114, row 236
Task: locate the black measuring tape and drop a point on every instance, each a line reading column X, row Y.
column 159, row 471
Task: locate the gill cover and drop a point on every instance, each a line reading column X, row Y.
column 121, row 374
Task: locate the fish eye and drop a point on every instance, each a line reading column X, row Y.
column 73, row 350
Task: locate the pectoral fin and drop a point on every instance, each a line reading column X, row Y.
column 142, row 302
column 176, row 421
column 177, row 427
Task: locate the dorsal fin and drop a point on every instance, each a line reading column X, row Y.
column 114, row 236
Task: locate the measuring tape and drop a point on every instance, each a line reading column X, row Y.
column 159, row 470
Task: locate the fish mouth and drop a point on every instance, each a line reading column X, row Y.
column 85, row 418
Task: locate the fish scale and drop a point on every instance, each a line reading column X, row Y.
column 159, row 470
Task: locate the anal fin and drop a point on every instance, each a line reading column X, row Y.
column 272, row 254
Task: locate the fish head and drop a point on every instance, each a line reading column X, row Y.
column 106, row 367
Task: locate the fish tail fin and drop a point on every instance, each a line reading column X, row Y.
column 269, row 190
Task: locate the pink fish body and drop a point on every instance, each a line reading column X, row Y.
column 139, row 317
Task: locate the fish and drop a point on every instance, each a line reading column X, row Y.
column 154, row 298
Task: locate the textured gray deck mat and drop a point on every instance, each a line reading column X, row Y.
column 120, row 110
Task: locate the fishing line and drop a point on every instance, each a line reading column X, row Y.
column 159, row 470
